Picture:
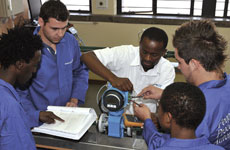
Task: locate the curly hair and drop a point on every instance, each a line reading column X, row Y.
column 18, row 44
column 54, row 9
column 155, row 34
column 185, row 102
column 199, row 40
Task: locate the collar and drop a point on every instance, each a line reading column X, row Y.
column 49, row 49
column 185, row 143
column 10, row 87
column 136, row 62
column 215, row 83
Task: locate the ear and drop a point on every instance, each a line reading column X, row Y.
column 194, row 64
column 164, row 51
column 168, row 119
column 19, row 64
column 40, row 21
column 169, row 116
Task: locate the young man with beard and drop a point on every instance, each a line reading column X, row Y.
column 131, row 68
column 61, row 80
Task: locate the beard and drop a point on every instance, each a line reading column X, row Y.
column 51, row 39
column 147, row 65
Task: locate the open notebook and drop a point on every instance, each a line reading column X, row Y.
column 77, row 121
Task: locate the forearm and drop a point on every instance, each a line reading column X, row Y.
column 94, row 64
column 29, row 108
column 80, row 84
column 33, row 118
column 153, row 138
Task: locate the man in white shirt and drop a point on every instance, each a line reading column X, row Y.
column 130, row 68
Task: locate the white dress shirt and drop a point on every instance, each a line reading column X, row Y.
column 124, row 61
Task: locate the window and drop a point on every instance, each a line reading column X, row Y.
column 204, row 8
column 76, row 5
column 177, row 7
column 137, row 6
column 222, row 8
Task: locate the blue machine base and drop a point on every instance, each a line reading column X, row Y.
column 116, row 126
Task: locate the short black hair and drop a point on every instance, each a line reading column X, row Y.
column 185, row 102
column 54, row 9
column 19, row 44
column 155, row 34
column 199, row 40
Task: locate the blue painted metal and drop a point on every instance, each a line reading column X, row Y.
column 115, row 118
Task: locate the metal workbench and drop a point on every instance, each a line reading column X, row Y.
column 92, row 140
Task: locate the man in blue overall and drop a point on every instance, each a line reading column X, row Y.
column 20, row 53
column 181, row 109
column 61, row 80
column 200, row 51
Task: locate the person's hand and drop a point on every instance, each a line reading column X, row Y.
column 123, row 84
column 151, row 92
column 72, row 103
column 142, row 112
column 48, row 117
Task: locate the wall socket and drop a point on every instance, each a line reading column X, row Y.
column 101, row 4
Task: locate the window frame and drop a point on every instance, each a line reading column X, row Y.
column 83, row 11
column 80, row 11
column 208, row 10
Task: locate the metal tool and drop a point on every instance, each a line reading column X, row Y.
column 136, row 96
column 135, row 103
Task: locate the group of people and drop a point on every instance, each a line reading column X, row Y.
column 200, row 51
column 46, row 68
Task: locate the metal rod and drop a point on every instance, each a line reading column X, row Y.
column 135, row 103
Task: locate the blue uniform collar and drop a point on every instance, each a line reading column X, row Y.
column 214, row 83
column 11, row 88
column 186, row 143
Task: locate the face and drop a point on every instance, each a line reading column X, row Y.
column 163, row 119
column 184, row 67
column 28, row 69
column 150, row 53
column 53, row 30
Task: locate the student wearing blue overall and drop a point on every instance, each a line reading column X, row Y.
column 20, row 53
column 200, row 51
column 181, row 109
column 61, row 80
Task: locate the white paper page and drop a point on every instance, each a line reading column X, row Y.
column 73, row 122
column 77, row 122
column 69, row 109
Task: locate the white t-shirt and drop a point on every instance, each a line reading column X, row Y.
column 124, row 61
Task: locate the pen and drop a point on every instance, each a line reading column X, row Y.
column 135, row 103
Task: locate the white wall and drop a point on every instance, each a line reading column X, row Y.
column 113, row 34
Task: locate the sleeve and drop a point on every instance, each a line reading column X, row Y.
column 167, row 74
column 153, row 138
column 3, row 117
column 205, row 127
column 113, row 58
column 29, row 107
column 80, row 76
